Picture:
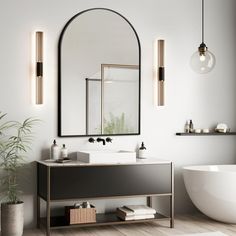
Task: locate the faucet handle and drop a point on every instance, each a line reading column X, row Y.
column 109, row 140
column 91, row 140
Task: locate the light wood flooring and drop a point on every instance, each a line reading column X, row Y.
column 184, row 224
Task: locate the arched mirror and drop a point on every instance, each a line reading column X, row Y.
column 99, row 75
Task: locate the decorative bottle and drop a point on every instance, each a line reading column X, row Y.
column 187, row 127
column 64, row 152
column 55, row 152
column 191, row 129
column 142, row 154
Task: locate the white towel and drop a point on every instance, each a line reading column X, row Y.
column 125, row 211
column 141, row 209
column 134, row 217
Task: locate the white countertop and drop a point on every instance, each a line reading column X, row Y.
column 147, row 161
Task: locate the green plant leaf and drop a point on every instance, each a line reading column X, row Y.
column 15, row 141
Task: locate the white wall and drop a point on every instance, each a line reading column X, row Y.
column 206, row 99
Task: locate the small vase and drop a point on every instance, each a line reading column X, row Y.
column 12, row 219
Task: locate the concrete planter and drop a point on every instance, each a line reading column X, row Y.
column 12, row 219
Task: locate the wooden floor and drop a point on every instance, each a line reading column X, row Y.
column 184, row 224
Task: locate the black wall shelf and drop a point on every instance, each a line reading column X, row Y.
column 205, row 134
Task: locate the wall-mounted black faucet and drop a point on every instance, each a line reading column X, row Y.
column 101, row 140
column 108, row 140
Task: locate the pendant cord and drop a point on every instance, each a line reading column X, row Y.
column 202, row 21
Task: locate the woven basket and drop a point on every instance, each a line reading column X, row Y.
column 80, row 215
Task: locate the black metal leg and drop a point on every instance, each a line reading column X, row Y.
column 48, row 203
column 172, row 197
column 171, row 211
column 38, row 212
column 48, row 219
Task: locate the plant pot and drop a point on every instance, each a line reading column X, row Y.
column 12, row 219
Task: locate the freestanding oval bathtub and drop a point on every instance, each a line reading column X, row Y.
column 212, row 188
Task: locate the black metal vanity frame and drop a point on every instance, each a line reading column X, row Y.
column 79, row 182
column 59, row 76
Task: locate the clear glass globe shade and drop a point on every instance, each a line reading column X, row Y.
column 204, row 63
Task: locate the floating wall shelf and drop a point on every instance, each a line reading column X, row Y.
column 205, row 134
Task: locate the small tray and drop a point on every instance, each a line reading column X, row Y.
column 64, row 160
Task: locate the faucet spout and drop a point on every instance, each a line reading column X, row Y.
column 101, row 140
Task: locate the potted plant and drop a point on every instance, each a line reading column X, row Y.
column 15, row 140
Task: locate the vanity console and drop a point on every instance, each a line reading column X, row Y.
column 77, row 180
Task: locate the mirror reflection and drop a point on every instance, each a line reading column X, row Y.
column 99, row 75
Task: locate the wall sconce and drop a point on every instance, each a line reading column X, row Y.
column 39, row 67
column 161, row 72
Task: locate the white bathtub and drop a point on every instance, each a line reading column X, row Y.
column 212, row 188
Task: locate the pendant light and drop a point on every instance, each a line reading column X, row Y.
column 202, row 61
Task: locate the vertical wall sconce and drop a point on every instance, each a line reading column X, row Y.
column 39, row 67
column 161, row 72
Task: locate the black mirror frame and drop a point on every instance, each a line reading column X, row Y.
column 59, row 77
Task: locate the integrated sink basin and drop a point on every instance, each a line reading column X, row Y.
column 106, row 156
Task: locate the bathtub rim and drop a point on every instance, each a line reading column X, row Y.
column 206, row 168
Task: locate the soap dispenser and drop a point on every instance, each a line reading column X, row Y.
column 64, row 152
column 55, row 152
column 142, row 154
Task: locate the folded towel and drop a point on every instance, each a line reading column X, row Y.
column 141, row 209
column 134, row 217
column 122, row 211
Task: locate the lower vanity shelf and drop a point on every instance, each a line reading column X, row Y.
column 102, row 219
column 79, row 181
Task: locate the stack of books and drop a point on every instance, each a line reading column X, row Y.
column 135, row 212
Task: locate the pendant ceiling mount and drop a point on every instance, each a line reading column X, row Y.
column 202, row 61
